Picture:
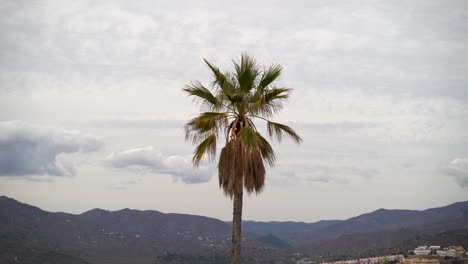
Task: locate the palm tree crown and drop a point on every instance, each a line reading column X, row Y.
column 230, row 107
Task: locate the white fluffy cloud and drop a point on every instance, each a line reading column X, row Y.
column 27, row 149
column 458, row 169
column 148, row 159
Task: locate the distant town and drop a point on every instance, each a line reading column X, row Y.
column 419, row 255
column 451, row 252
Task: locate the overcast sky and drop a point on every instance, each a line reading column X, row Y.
column 92, row 108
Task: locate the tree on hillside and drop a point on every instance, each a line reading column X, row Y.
column 230, row 107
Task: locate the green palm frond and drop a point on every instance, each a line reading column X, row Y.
column 223, row 81
column 204, row 122
column 276, row 94
column 270, row 102
column 207, row 146
column 248, row 137
column 269, row 76
column 200, row 127
column 236, row 98
column 267, row 152
column 201, row 94
column 247, row 72
column 279, row 130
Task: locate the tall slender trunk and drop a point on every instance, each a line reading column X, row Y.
column 236, row 228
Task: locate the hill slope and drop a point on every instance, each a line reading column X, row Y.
column 100, row 236
column 379, row 220
column 31, row 235
column 383, row 219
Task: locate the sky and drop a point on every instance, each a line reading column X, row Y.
column 92, row 108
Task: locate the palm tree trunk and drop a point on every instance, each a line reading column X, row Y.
column 236, row 228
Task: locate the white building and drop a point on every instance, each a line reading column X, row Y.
column 449, row 252
column 422, row 250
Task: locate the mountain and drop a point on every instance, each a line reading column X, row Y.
column 379, row 220
column 31, row 235
column 383, row 219
column 451, row 232
column 380, row 232
column 289, row 231
column 28, row 233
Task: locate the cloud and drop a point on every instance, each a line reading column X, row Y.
column 324, row 174
column 139, row 122
column 330, row 127
column 339, row 174
column 458, row 170
column 376, row 46
column 121, row 186
column 148, row 159
column 27, row 149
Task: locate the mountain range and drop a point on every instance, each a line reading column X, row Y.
column 31, row 235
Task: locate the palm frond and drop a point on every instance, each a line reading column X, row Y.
column 223, row 81
column 255, row 173
column 276, row 94
column 267, row 152
column 201, row 94
column 246, row 73
column 248, row 137
column 207, row 146
column 200, row 127
column 269, row 76
column 235, row 98
column 224, row 168
column 270, row 102
column 279, row 130
column 230, row 171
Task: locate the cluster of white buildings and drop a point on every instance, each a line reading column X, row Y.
column 452, row 251
column 371, row 260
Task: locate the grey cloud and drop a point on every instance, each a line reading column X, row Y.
column 341, row 174
column 27, row 149
column 325, row 174
column 139, row 122
column 148, row 159
column 458, row 170
column 408, row 165
column 120, row 186
column 390, row 47
column 335, row 126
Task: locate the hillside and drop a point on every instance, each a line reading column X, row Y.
column 379, row 220
column 289, row 231
column 383, row 219
column 454, row 232
column 31, row 235
column 99, row 236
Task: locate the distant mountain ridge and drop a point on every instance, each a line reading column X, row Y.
column 31, row 235
column 384, row 219
column 100, row 236
column 379, row 220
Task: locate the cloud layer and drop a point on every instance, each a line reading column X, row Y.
column 458, row 169
column 27, row 149
column 379, row 96
column 148, row 159
column 324, row 174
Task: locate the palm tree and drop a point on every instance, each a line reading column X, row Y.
column 229, row 108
